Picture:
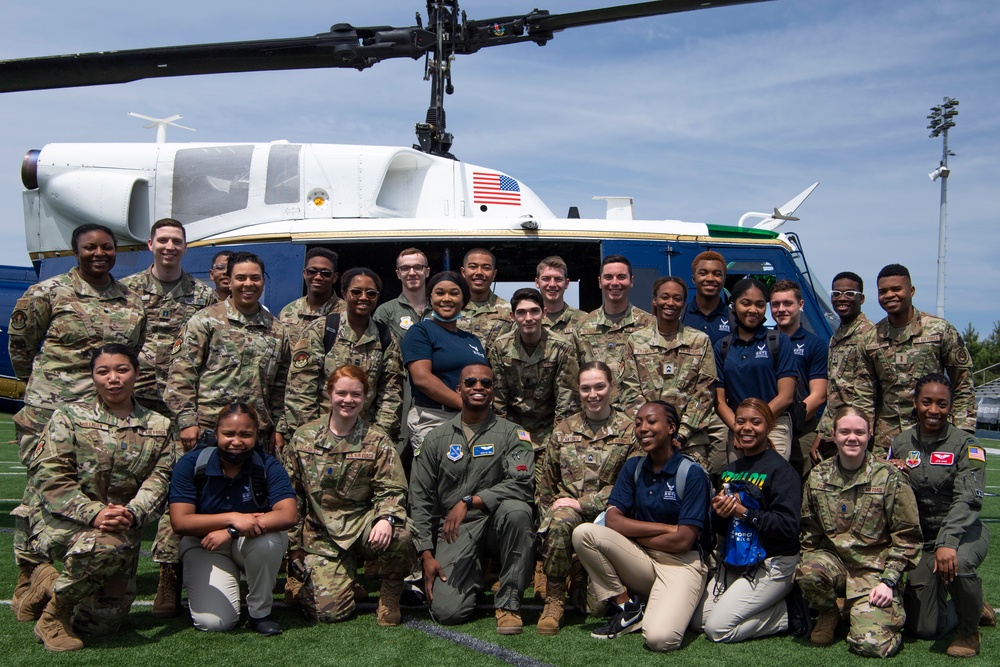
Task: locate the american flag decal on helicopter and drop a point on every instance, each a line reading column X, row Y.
column 493, row 188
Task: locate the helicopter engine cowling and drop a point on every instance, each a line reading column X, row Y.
column 119, row 201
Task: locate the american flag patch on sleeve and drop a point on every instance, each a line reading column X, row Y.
column 977, row 454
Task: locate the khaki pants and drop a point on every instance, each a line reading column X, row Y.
column 212, row 578
column 672, row 583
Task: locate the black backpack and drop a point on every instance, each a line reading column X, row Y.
column 333, row 325
column 258, row 475
column 797, row 410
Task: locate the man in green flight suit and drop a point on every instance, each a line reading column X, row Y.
column 469, row 493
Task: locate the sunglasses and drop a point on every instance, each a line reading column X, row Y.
column 472, row 382
column 326, row 273
column 356, row 292
column 850, row 294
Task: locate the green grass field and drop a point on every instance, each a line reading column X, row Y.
column 359, row 642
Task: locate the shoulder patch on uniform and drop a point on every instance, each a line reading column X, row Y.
column 977, row 454
column 405, row 322
column 913, row 459
column 18, row 320
column 942, row 458
column 177, row 346
column 523, row 435
column 300, row 360
column 482, row 450
column 360, row 456
column 455, row 452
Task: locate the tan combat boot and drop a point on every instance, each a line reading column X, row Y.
column 509, row 622
column 964, row 647
column 539, row 581
column 167, row 592
column 38, row 594
column 388, row 613
column 552, row 613
column 55, row 627
column 988, row 619
column 826, row 626
column 23, row 583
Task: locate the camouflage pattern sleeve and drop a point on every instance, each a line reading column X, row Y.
column 811, row 532
column 904, row 527
column 54, row 471
column 495, row 355
column 151, row 498
column 305, row 383
column 866, row 386
column 290, row 460
column 701, row 405
column 630, row 397
column 548, row 483
column 967, row 493
column 389, row 480
column 276, row 400
column 390, row 391
column 186, row 361
column 567, row 382
column 28, row 324
column 957, row 364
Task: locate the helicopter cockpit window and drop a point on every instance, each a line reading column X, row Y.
column 210, row 181
column 283, row 174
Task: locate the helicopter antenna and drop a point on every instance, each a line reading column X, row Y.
column 431, row 135
column 161, row 125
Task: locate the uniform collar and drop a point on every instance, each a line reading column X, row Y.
column 261, row 318
column 112, row 291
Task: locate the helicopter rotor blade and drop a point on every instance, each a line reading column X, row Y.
column 344, row 46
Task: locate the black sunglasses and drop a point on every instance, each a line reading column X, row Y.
column 472, row 382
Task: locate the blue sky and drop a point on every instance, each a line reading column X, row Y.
column 699, row 116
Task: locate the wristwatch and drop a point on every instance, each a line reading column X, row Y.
column 468, row 501
column 888, row 582
column 233, row 533
column 390, row 519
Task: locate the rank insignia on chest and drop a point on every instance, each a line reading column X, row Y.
column 942, row 458
column 913, row 459
column 405, row 322
column 668, row 369
column 590, row 458
column 455, row 452
column 482, row 450
column 843, row 509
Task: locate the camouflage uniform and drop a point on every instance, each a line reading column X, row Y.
column 488, row 321
column 399, row 315
column 297, row 315
column 892, row 363
column 53, row 329
column 223, row 356
column 534, row 390
column 306, row 398
column 679, row 370
column 844, row 368
column 497, row 466
column 564, row 321
column 858, row 529
column 86, row 459
column 600, row 339
column 166, row 314
column 948, row 477
column 343, row 487
column 580, row 462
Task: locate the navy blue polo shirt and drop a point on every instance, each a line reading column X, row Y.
column 811, row 354
column 653, row 496
column 749, row 371
column 716, row 324
column 222, row 494
column 448, row 351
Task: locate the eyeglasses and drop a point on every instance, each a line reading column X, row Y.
column 356, row 292
column 415, row 268
column 472, row 382
column 220, row 267
column 850, row 294
column 326, row 273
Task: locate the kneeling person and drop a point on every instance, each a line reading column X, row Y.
column 469, row 493
column 859, row 533
column 351, row 493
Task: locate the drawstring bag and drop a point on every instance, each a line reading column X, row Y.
column 741, row 549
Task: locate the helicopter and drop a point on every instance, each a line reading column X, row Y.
column 280, row 199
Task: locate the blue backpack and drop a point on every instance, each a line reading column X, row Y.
column 741, row 548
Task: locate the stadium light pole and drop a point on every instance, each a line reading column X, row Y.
column 942, row 119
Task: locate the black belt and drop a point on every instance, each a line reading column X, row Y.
column 434, row 406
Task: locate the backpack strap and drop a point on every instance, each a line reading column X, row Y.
column 727, row 341
column 200, row 464
column 258, row 475
column 330, row 334
column 773, row 342
column 384, row 334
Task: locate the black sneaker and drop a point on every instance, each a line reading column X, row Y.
column 412, row 598
column 627, row 619
column 800, row 622
column 266, row 626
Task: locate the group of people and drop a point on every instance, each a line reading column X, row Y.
column 448, row 439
